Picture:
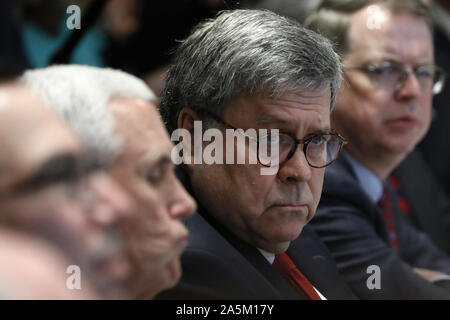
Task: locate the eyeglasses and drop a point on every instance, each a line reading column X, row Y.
column 320, row 149
column 391, row 75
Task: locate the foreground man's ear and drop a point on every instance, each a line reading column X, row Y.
column 186, row 119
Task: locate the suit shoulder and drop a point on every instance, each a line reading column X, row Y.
column 214, row 269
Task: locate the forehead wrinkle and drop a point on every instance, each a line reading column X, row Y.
column 295, row 101
column 285, row 123
column 142, row 129
column 291, row 124
column 367, row 54
column 421, row 57
column 155, row 152
column 272, row 120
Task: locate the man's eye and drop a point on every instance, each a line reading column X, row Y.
column 155, row 176
column 270, row 139
column 273, row 138
column 160, row 171
column 382, row 70
column 424, row 72
column 317, row 140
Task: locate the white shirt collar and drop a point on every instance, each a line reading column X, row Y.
column 268, row 255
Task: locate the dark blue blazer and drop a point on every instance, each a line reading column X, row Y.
column 435, row 147
column 430, row 204
column 352, row 227
column 217, row 265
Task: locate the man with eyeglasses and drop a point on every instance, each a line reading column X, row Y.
column 51, row 192
column 383, row 109
column 252, row 70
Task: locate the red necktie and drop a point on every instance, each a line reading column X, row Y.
column 403, row 204
column 387, row 211
column 287, row 268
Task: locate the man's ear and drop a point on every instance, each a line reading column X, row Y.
column 186, row 119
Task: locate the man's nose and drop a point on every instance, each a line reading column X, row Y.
column 182, row 204
column 295, row 169
column 408, row 87
column 111, row 203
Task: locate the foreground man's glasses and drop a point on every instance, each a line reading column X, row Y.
column 320, row 149
column 391, row 75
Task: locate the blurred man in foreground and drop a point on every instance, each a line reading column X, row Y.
column 114, row 115
column 50, row 191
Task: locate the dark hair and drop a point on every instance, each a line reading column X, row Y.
column 9, row 68
column 332, row 19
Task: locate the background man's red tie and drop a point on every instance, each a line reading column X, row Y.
column 403, row 204
column 287, row 268
column 387, row 209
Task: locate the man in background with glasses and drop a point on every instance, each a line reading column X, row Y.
column 383, row 109
column 250, row 69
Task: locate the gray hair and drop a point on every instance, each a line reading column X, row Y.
column 80, row 96
column 246, row 52
column 332, row 19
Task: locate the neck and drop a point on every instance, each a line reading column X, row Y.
column 381, row 165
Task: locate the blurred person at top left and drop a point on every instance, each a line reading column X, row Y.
column 51, row 189
column 11, row 44
column 45, row 30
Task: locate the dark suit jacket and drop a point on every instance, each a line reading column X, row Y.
column 352, row 227
column 217, row 265
column 430, row 204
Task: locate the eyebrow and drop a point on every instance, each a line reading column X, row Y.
column 277, row 121
column 273, row 121
column 393, row 59
column 67, row 167
column 326, row 130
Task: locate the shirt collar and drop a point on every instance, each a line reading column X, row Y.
column 268, row 255
column 370, row 183
column 271, row 258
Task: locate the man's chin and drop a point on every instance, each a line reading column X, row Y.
column 280, row 242
column 159, row 279
column 275, row 247
column 173, row 273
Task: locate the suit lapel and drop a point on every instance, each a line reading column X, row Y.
column 360, row 199
column 259, row 262
column 421, row 206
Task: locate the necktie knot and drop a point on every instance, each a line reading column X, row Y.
column 283, row 263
